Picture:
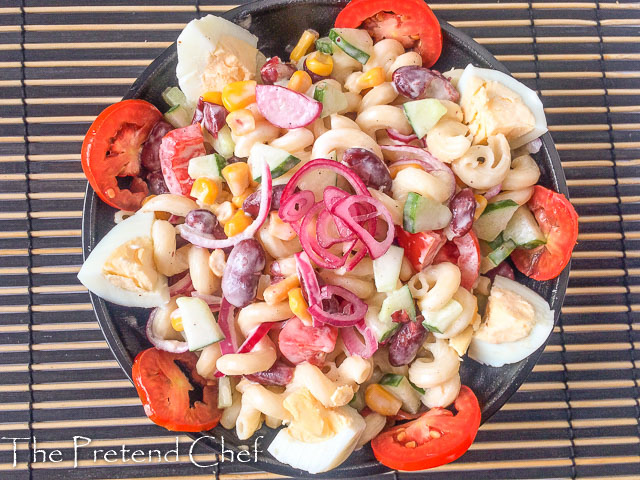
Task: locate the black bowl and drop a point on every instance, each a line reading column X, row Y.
column 278, row 24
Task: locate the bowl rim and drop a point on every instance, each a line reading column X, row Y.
column 91, row 200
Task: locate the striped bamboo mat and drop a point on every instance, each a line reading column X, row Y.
column 62, row 61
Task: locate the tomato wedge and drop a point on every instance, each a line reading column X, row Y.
column 174, row 396
column 411, row 22
column 465, row 253
column 111, row 149
column 436, row 438
column 558, row 221
column 177, row 148
column 299, row 343
column 420, row 248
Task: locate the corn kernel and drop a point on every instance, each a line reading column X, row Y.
column 394, row 169
column 238, row 200
column 300, row 82
column 205, row 189
column 299, row 306
column 238, row 177
column 307, row 39
column 238, row 223
column 380, row 400
column 213, row 97
column 371, row 78
column 241, row 121
column 176, row 321
column 481, row 204
column 237, row 95
column 321, row 64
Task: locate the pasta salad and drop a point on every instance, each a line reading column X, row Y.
column 323, row 239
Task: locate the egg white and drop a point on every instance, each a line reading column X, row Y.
column 92, row 277
column 529, row 98
column 317, row 457
column 499, row 354
column 197, row 40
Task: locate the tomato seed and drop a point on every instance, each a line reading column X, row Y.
column 434, row 434
column 410, row 444
column 401, row 436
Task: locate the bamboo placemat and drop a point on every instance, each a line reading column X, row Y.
column 62, row 61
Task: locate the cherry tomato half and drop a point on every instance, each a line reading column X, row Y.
column 111, row 149
column 465, row 253
column 174, row 396
column 436, row 438
column 411, row 22
column 558, row 221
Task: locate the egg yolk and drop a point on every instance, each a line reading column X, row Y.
column 233, row 60
column 131, row 266
column 491, row 108
column 311, row 421
column 508, row 317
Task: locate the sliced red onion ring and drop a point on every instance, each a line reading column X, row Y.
column 308, row 239
column 322, row 163
column 399, row 137
column 493, row 191
column 226, row 320
column 296, row 206
column 354, row 345
column 173, row 346
column 206, row 241
column 210, row 299
column 397, row 153
column 254, row 337
column 183, row 285
column 356, row 308
column 308, row 278
column 342, row 210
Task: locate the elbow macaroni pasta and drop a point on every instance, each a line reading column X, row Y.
column 484, row 166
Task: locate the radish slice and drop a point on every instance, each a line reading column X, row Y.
column 207, row 241
column 354, row 345
column 254, row 337
column 286, row 108
column 173, row 346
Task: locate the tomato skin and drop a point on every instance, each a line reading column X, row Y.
column 457, row 433
column 415, row 18
column 299, row 343
column 164, row 391
column 465, row 253
column 558, row 221
column 177, row 148
column 420, row 248
column 111, row 148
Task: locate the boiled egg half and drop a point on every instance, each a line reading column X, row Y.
column 516, row 323
column 213, row 52
column 121, row 268
column 318, row 438
column 494, row 102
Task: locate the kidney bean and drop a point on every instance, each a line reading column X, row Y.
column 404, row 345
column 418, row 82
column 149, row 156
column 275, row 70
column 463, row 208
column 372, row 170
column 234, row 159
column 504, row 270
column 205, row 222
column 157, row 185
column 211, row 116
column 242, row 273
column 280, row 374
column 251, row 204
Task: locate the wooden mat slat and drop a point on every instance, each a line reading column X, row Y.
column 593, row 372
